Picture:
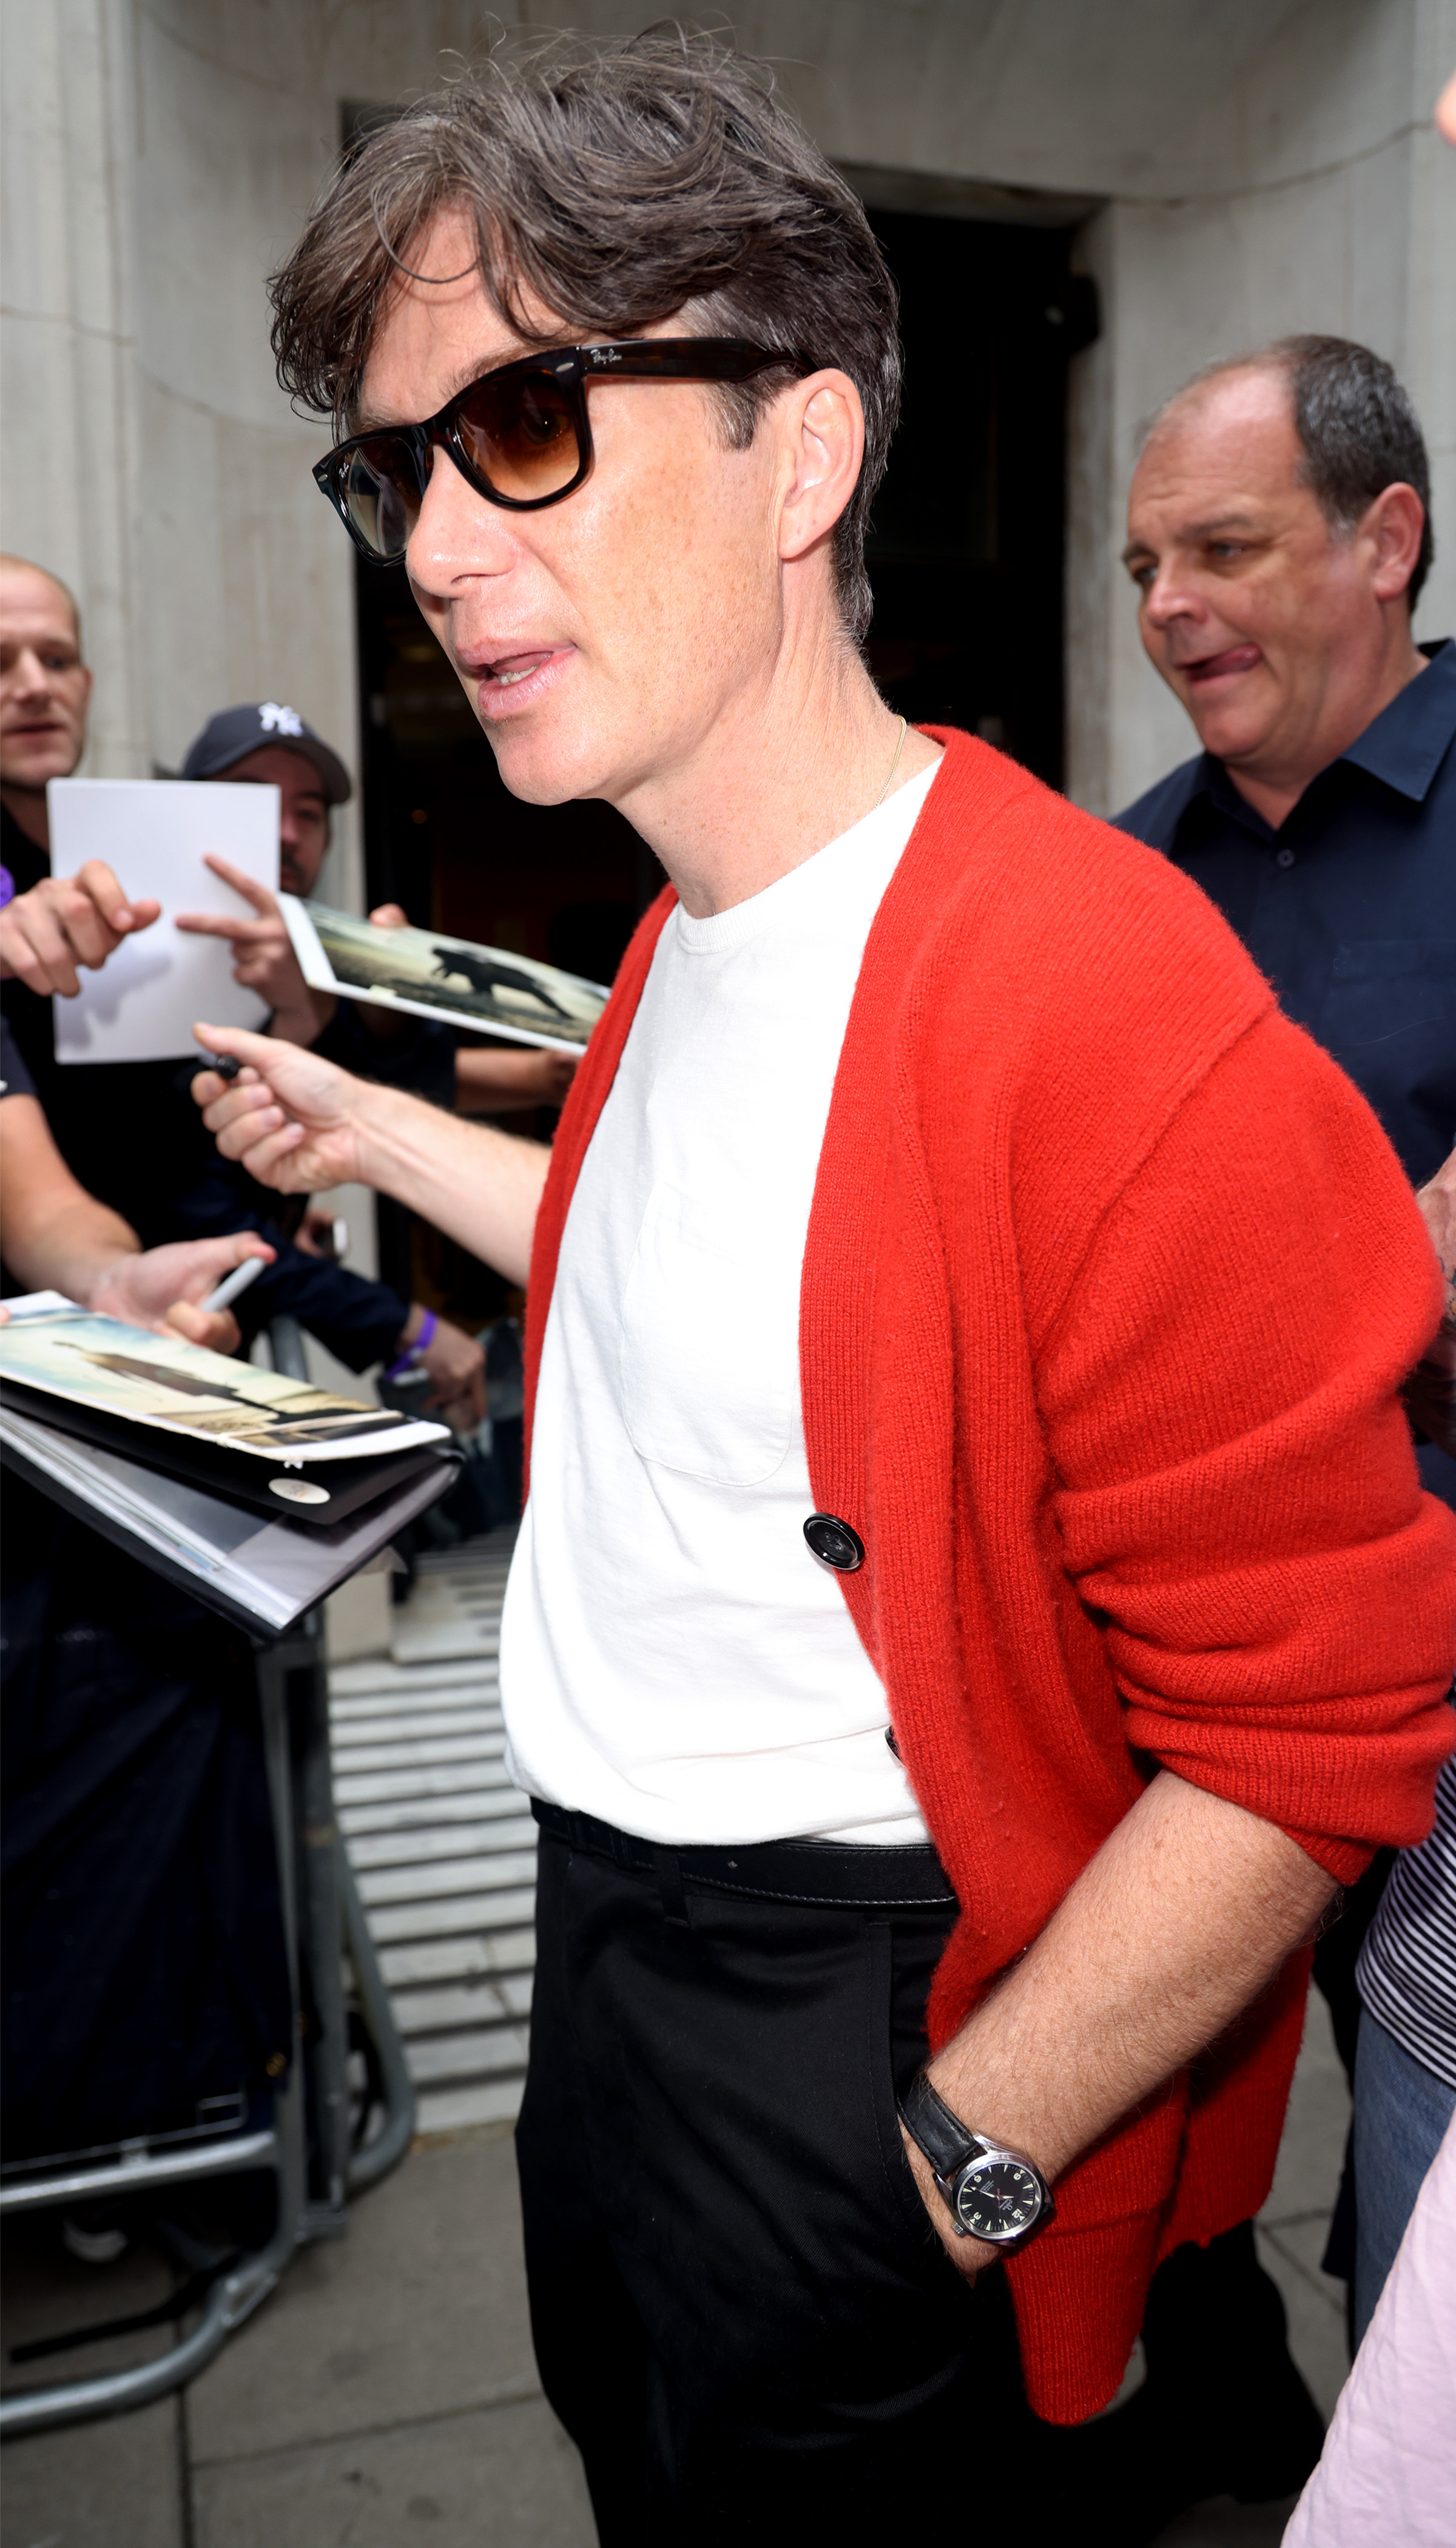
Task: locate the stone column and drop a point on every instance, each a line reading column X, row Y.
column 68, row 379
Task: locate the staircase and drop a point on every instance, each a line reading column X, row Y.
column 443, row 1847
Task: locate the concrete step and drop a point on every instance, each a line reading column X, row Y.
column 421, row 1752
column 421, row 1850
column 443, row 1959
column 463, row 2005
column 454, row 1916
column 459, row 2110
column 452, row 1875
column 447, row 2060
column 359, row 1788
column 449, row 1616
column 442, row 1844
column 429, row 1812
column 351, row 1685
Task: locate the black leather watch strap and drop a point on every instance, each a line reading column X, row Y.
column 941, row 2134
column 1002, row 2182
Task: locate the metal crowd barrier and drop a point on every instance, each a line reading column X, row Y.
column 308, row 2149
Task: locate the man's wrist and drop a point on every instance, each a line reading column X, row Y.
column 995, row 2196
column 415, row 1340
column 380, row 1121
column 89, row 1286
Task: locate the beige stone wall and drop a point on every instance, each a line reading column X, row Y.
column 1262, row 165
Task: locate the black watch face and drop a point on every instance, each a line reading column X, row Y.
column 997, row 2199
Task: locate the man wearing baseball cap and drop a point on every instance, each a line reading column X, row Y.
column 270, row 743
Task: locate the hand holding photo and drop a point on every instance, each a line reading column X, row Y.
column 426, row 975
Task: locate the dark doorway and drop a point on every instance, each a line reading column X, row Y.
column 965, row 559
column 965, row 550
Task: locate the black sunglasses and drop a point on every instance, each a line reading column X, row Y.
column 520, row 436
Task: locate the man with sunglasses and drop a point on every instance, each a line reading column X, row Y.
column 960, row 1448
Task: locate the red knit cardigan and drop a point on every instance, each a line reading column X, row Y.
column 1111, row 1278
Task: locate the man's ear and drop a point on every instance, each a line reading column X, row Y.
column 822, row 426
column 1393, row 526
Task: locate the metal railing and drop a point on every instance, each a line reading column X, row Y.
column 309, row 2147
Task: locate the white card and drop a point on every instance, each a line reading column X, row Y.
column 153, row 833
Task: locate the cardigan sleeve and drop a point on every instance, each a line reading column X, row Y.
column 1236, row 1489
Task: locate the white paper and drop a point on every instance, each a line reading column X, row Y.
column 153, row 833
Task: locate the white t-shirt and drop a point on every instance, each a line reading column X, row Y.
column 674, row 1659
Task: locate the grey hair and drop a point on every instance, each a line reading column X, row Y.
column 616, row 186
column 1356, row 425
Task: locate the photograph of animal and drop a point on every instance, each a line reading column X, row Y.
column 483, row 975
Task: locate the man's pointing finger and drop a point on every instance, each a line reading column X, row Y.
column 249, row 889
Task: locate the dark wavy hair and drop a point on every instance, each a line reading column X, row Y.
column 1357, row 426
column 616, row 185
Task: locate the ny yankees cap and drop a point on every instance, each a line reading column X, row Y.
column 234, row 733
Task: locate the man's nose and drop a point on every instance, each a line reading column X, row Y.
column 457, row 534
column 1168, row 597
column 28, row 674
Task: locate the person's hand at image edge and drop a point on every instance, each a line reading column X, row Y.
column 301, row 1124
column 65, row 922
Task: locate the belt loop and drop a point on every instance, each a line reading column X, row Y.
column 670, row 1887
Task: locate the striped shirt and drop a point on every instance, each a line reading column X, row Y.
column 1406, row 1972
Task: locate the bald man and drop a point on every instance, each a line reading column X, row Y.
column 49, row 926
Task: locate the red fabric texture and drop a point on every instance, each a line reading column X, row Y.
column 1110, row 1280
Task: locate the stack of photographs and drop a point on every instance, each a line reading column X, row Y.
column 259, row 1493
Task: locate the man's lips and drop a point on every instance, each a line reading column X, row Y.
column 517, row 676
column 1217, row 668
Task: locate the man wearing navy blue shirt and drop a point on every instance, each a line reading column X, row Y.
column 1279, row 534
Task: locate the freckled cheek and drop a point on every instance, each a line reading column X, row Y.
column 645, row 571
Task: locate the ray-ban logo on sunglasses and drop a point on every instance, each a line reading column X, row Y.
column 603, row 353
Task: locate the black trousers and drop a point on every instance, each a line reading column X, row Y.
column 741, row 2312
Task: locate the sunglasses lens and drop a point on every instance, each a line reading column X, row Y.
column 521, row 435
column 382, row 495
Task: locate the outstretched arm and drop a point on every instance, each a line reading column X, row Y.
column 298, row 1124
column 490, row 1081
column 58, row 1237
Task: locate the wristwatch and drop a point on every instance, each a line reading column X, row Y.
column 996, row 2194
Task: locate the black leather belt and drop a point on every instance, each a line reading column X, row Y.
column 856, row 1874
